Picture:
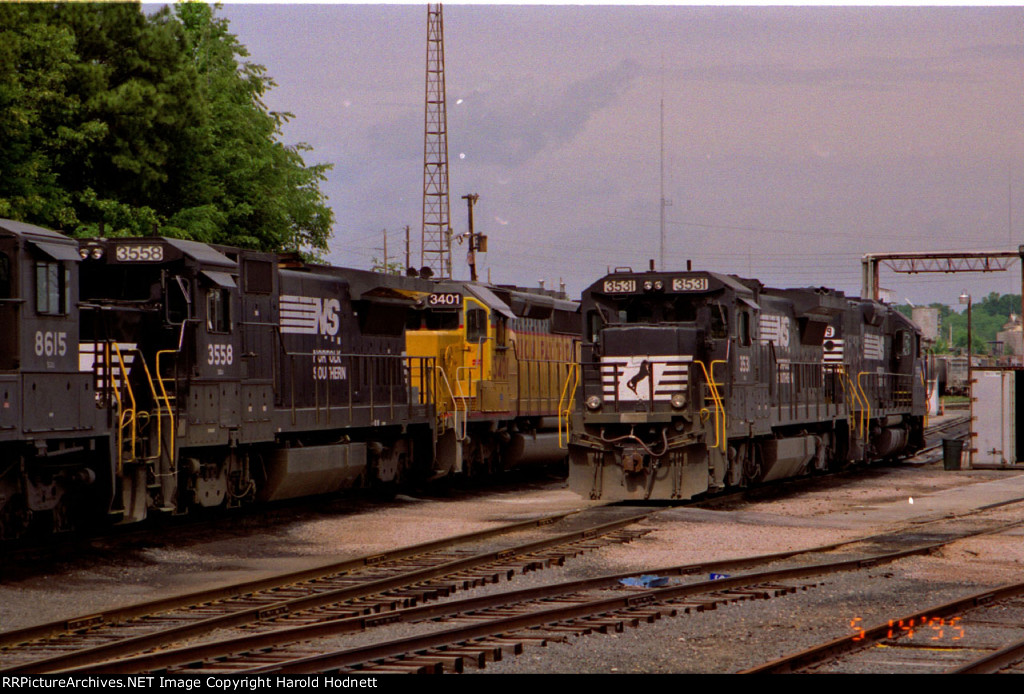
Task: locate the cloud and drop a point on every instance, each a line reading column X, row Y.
column 512, row 125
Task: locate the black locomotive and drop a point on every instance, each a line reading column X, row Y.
column 698, row 381
column 144, row 375
column 55, row 445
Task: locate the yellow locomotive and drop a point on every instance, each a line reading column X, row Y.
column 503, row 355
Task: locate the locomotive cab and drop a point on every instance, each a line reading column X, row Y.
column 651, row 412
column 160, row 323
column 54, row 446
column 502, row 357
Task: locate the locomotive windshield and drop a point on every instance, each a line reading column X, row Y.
column 434, row 319
column 648, row 309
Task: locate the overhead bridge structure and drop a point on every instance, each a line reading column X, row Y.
column 948, row 262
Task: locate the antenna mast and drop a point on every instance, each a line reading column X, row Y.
column 436, row 240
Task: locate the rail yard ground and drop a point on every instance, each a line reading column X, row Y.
column 728, row 639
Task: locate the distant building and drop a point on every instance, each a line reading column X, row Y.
column 928, row 320
column 1011, row 336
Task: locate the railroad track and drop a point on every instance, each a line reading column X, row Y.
column 478, row 629
column 976, row 634
column 368, row 600
column 364, row 586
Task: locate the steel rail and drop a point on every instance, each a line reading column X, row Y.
column 281, row 608
column 113, row 616
column 1004, row 657
column 870, row 636
column 504, row 625
column 336, row 627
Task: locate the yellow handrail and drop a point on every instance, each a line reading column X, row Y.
column 163, row 391
column 720, row 441
column 852, row 391
column 715, row 384
column 129, row 412
column 572, row 376
column 867, row 405
column 156, row 399
column 117, row 397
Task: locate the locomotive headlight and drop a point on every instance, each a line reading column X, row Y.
column 593, row 402
column 678, row 401
column 97, row 253
column 659, row 285
column 648, row 285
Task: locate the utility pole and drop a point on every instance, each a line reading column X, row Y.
column 662, row 201
column 407, row 259
column 477, row 242
column 435, row 249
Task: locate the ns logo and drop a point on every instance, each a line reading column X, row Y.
column 327, row 316
column 310, row 315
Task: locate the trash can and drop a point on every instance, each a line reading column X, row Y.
column 952, row 451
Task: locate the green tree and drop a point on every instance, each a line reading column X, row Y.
column 115, row 123
column 246, row 185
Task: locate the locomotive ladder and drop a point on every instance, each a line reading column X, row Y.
column 130, row 419
column 458, row 426
column 565, row 402
column 859, row 403
column 721, row 439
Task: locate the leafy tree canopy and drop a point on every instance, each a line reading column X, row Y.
column 116, row 124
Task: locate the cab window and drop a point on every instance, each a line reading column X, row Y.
column 218, row 310
column 744, row 329
column 51, row 288
column 476, row 324
column 719, row 322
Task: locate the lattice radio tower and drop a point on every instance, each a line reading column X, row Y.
column 436, row 250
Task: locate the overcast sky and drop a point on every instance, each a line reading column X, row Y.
column 796, row 139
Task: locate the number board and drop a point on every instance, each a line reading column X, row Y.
column 445, row 300
column 690, row 284
column 139, row 253
column 619, row 286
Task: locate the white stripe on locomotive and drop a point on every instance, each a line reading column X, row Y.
column 670, row 374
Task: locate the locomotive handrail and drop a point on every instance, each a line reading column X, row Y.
column 167, row 400
column 858, row 403
column 867, row 405
column 459, row 436
column 448, row 354
column 572, row 376
column 538, row 376
column 156, row 399
column 121, row 424
column 721, row 402
column 120, row 406
column 716, row 398
column 134, row 413
column 358, row 361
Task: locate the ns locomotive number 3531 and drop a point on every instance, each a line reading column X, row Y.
column 697, row 381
